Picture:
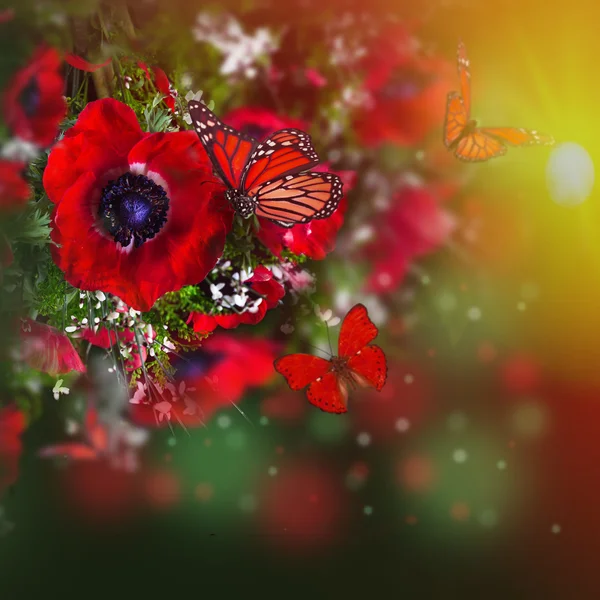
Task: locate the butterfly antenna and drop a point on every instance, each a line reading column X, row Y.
column 329, row 339
column 319, row 349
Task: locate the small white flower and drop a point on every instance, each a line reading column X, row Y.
column 191, row 95
column 57, row 390
column 100, row 296
column 215, row 290
column 140, row 393
column 240, row 299
column 253, row 308
column 287, row 328
column 164, row 410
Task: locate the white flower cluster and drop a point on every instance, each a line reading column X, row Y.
column 241, row 51
column 234, row 295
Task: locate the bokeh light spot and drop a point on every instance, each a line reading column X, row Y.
column 363, row 439
column 488, row 518
column 460, row 455
column 460, row 511
column 530, row 420
column 457, row 421
column 570, row 174
column 402, row 425
column 555, row 528
column 224, row 421
column 248, row 503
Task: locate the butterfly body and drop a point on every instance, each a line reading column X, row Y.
column 465, row 138
column 269, row 179
column 359, row 364
column 245, row 206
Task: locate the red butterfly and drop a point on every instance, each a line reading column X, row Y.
column 268, row 179
column 472, row 143
column 358, row 364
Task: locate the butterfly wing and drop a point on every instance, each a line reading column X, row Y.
column 356, row 332
column 301, row 370
column 299, row 198
column 478, row 146
column 370, row 365
column 329, row 393
column 518, row 136
column 228, row 149
column 325, row 389
column 456, row 118
column 464, row 74
column 286, row 152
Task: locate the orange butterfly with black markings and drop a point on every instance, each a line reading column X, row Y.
column 472, row 143
column 270, row 179
column 359, row 363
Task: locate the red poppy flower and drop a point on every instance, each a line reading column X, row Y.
column 208, row 379
column 244, row 304
column 47, row 349
column 12, row 425
column 260, row 123
column 14, row 191
column 406, row 90
column 415, row 225
column 133, row 216
column 34, row 104
column 315, row 239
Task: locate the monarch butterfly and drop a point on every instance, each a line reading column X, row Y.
column 358, row 363
column 472, row 143
column 268, row 179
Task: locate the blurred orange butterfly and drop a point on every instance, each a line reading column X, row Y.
column 472, row 143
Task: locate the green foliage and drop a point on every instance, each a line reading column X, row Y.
column 157, row 118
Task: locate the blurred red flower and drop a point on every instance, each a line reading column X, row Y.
column 406, row 91
column 260, row 123
column 47, row 349
column 211, row 378
column 12, row 425
column 404, row 403
column 14, row 191
column 261, row 284
column 415, row 225
column 303, row 507
column 34, row 104
column 286, row 406
column 133, row 216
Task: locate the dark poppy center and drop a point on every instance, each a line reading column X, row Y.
column 196, row 364
column 29, row 98
column 133, row 207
